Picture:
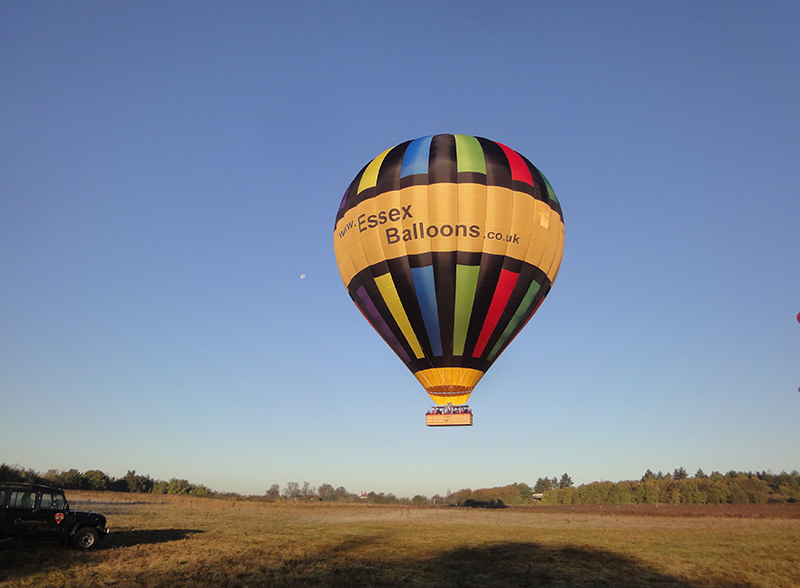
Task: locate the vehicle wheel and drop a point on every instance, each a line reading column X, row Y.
column 85, row 538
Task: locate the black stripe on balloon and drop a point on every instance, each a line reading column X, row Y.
column 442, row 164
column 537, row 177
column 488, row 276
column 414, row 180
column 444, row 275
column 366, row 279
column 529, row 189
column 389, row 173
column 498, row 170
column 376, row 270
column 472, row 178
column 400, row 269
column 351, row 194
column 421, row 259
column 540, row 295
column 468, row 257
column 527, row 274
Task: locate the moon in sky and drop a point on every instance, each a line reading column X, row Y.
column 302, row 276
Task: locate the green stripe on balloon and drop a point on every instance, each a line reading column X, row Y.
column 469, row 155
column 519, row 315
column 466, row 284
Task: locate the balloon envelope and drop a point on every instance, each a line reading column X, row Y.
column 448, row 244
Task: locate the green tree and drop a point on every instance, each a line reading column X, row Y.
column 565, row 481
column 756, row 490
column 70, row 479
column 525, row 492
column 621, row 493
column 140, row 484
column 10, row 473
column 160, row 487
column 419, row 500
column 342, row 495
column 717, row 489
column 652, row 492
column 97, row 480
column 692, row 492
column 177, row 486
column 200, row 490
column 274, row 492
column 679, row 474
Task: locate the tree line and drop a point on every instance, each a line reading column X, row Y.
column 652, row 488
column 679, row 488
column 97, row 480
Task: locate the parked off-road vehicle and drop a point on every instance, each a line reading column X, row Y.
column 34, row 511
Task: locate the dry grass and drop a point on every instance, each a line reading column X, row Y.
column 182, row 541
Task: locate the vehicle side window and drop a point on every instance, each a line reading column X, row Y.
column 52, row 501
column 22, row 499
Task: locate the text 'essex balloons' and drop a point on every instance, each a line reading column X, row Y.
column 448, row 244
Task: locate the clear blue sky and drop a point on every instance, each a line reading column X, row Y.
column 168, row 170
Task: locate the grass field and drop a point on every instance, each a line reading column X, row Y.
column 173, row 541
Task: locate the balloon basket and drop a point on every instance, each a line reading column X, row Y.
column 449, row 416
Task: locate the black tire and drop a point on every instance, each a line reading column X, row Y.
column 86, row 538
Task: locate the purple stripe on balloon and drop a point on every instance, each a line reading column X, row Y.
column 344, row 198
column 380, row 325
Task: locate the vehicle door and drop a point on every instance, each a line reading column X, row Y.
column 50, row 514
column 19, row 518
column 3, row 496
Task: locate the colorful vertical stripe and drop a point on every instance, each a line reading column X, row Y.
column 502, row 293
column 426, row 295
column 520, row 172
column 466, row 284
column 370, row 176
column 469, row 154
column 392, row 299
column 377, row 322
column 415, row 159
column 515, row 321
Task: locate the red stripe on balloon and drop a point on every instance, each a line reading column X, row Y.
column 505, row 285
column 519, row 169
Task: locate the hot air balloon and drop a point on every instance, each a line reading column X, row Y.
column 448, row 244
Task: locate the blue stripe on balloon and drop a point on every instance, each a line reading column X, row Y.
column 415, row 159
column 426, row 296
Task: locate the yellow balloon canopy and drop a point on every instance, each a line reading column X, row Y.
column 448, row 244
